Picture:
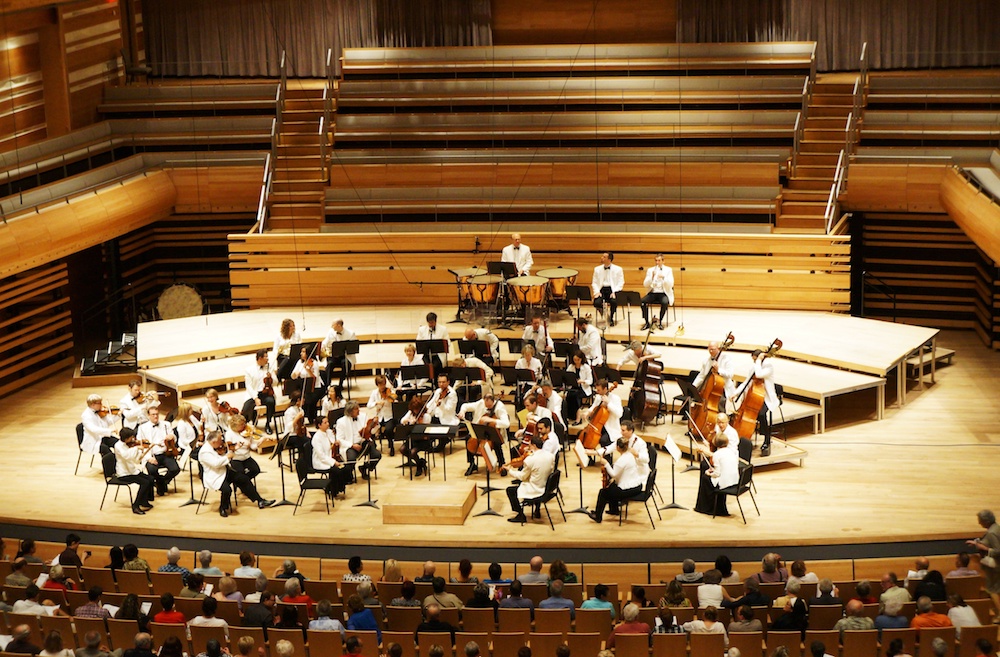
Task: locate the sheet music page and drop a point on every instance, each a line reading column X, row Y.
column 113, row 610
column 490, row 455
column 145, row 607
column 672, row 448
column 581, row 453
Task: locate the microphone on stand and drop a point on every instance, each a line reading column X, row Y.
column 476, row 250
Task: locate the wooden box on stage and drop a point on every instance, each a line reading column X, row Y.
column 424, row 503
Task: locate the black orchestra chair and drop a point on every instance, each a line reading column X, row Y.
column 643, row 496
column 551, row 492
column 303, row 468
column 108, row 463
column 79, row 446
column 742, row 486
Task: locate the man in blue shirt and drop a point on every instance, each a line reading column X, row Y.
column 556, row 599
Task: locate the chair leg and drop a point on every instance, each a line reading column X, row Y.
column 79, row 456
column 298, row 502
column 549, row 516
column 103, row 497
column 754, row 500
column 559, row 502
column 202, row 499
column 650, row 514
column 741, row 509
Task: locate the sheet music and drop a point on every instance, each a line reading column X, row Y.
column 437, row 429
column 581, row 453
column 490, row 455
column 113, row 610
column 672, row 448
column 145, row 607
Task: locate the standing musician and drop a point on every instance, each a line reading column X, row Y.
column 612, row 429
column 351, row 443
column 718, row 361
column 527, row 361
column 287, row 336
column 258, row 392
column 380, row 406
column 519, row 254
column 324, row 441
column 762, row 369
column 431, row 331
column 489, row 337
column 637, row 353
column 637, row 447
column 443, row 403
column 154, row 433
column 608, row 281
column 626, row 482
column 537, row 335
column 136, row 404
column 215, row 416
column 97, row 425
column 334, row 399
column 239, row 444
column 583, row 388
column 659, row 282
column 338, row 333
column 589, row 341
column 309, row 383
column 410, row 358
column 532, row 477
column 491, row 412
column 131, row 463
column 295, row 421
column 216, row 474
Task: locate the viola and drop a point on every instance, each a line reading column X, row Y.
column 114, row 410
column 268, row 389
column 225, row 407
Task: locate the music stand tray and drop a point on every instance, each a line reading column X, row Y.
column 478, row 348
column 604, row 372
column 285, row 371
column 505, row 269
column 415, row 372
column 688, row 390
column 564, row 348
column 628, row 298
column 431, row 347
column 562, row 378
column 514, row 345
column 578, row 293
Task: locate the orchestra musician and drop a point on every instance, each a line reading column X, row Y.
column 527, row 361
column 638, row 447
column 351, row 443
column 708, row 502
column 763, row 369
column 214, row 416
column 485, row 377
column 487, row 336
column 589, row 341
column 612, row 430
column 443, row 404
column 532, row 477
column 154, row 433
column 608, row 281
column 187, row 428
column 548, row 398
column 98, row 424
column 324, row 440
column 532, row 411
column 626, row 482
column 295, row 418
column 417, row 413
column 583, row 389
column 287, row 336
column 338, row 333
column 309, row 383
column 131, row 461
column 491, row 412
column 725, row 472
column 258, row 392
column 380, row 405
column 537, row 336
column 550, row 441
column 239, row 444
column 519, row 254
column 216, row 474
column 718, row 361
column 410, row 358
column 334, row 399
column 136, row 404
column 431, row 331
column 637, row 353
column 659, row 282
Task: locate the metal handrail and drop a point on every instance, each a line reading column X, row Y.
column 797, row 143
column 832, row 203
column 322, row 144
column 886, row 290
column 264, row 201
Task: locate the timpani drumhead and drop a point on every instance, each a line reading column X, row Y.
column 529, row 290
column 180, row 300
column 485, row 288
column 559, row 279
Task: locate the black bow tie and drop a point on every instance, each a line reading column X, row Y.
column 516, row 248
column 607, row 267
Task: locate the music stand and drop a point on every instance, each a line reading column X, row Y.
column 430, row 348
column 446, row 431
column 414, row 373
column 582, row 460
column 604, row 372
column 565, row 348
column 675, row 456
column 563, row 379
column 505, row 269
column 478, row 348
column 509, row 375
column 190, row 463
column 628, row 299
column 467, row 375
column 339, row 351
column 369, row 502
column 285, row 371
column 515, row 345
column 280, row 447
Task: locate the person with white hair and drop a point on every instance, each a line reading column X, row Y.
column 519, row 254
column 630, row 624
column 98, row 424
column 205, row 559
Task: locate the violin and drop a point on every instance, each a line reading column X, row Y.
column 268, row 389
column 518, row 462
column 299, row 425
column 170, row 447
column 114, row 410
column 225, row 407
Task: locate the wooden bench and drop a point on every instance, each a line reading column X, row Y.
column 193, row 99
column 930, row 126
column 934, row 88
column 507, row 60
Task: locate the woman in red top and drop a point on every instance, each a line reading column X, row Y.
column 58, row 580
column 168, row 615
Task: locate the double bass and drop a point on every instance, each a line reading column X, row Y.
column 745, row 421
column 591, row 434
column 644, row 398
column 702, row 417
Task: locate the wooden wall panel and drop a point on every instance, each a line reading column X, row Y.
column 895, row 187
column 216, row 189
column 973, row 210
column 22, row 102
column 584, row 21
column 93, row 41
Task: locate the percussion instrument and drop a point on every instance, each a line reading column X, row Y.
column 485, row 288
column 559, row 279
column 179, row 300
column 529, row 290
column 463, row 275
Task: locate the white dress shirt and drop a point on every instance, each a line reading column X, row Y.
column 491, row 339
column 725, row 371
column 612, row 276
column 660, row 279
column 134, row 411
column 444, row 409
column 725, row 468
column 242, row 451
column 383, row 406
column 349, row 432
column 590, row 344
column 630, row 357
column 291, row 413
column 584, row 376
column 486, row 374
column 552, row 444
column 641, row 455
column 534, row 365
column 187, row 432
column 534, row 474
column 479, row 410
column 214, row 466
column 625, row 471
column 343, row 336
column 520, row 256
column 155, row 435
column 283, row 346
column 95, row 428
column 212, row 420
column 301, row 372
column 614, row 424
column 129, row 460
column 322, row 447
column 253, row 379
column 439, row 332
column 762, row 370
column 537, row 339
column 330, row 405
column 554, row 406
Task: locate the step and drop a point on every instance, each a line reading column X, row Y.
column 817, row 146
column 298, row 150
column 786, row 221
column 799, row 230
column 797, row 183
column 307, row 102
column 816, row 171
column 826, row 122
column 297, row 210
column 305, row 114
column 304, row 197
column 310, row 224
column 303, row 175
column 298, row 128
column 288, row 139
column 805, row 195
column 297, row 186
column 803, row 208
column 838, row 88
column 824, row 134
column 943, row 357
column 817, row 159
column 838, row 100
column 821, row 111
column 300, row 161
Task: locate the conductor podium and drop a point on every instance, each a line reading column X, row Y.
column 423, row 503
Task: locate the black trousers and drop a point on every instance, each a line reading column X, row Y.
column 246, row 467
column 163, row 461
column 764, row 425
column 605, row 297
column 236, row 479
column 249, row 409
column 655, row 297
column 612, row 496
column 515, row 504
column 145, row 493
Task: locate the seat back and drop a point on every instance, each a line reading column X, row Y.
column 670, row 645
column 551, row 486
column 166, row 582
column 201, row 635
column 750, row 644
column 133, row 581
column 403, row 619
column 550, row 621
column 79, row 435
column 746, row 477
column 908, row 635
column 584, row 643
column 64, row 625
column 511, row 619
column 328, row 642
column 594, row 620
column 707, row 645
column 542, row 643
column 970, row 634
column 647, row 490
column 293, row 635
column 631, row 645
column 508, row 643
column 161, row 631
column 968, row 587
column 927, row 634
column 856, row 643
column 122, row 633
column 824, row 617
column 478, row 620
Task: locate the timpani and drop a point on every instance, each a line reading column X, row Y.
column 485, row 288
column 529, row 290
column 462, row 277
column 559, row 279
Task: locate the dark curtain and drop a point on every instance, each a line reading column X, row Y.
column 900, row 33
column 247, row 37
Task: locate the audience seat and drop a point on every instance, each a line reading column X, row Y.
column 85, row 625
column 907, row 634
column 508, row 643
column 552, row 620
column 824, row 617
column 636, row 645
column 122, row 633
column 971, row 634
column 856, row 643
column 541, row 643
column 514, row 620
column 274, row 634
column 63, row 625
column 167, row 582
column 750, row 644
column 593, row 621
column 584, row 643
column 369, row 641
column 403, row 619
column 707, row 645
column 133, row 581
column 478, row 620
column 201, row 635
column 328, row 642
column 161, row 631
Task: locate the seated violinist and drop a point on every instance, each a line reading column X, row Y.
column 532, row 475
column 295, row 421
column 349, row 430
column 155, row 433
column 334, row 399
column 215, row 414
column 240, row 443
column 326, row 457
column 529, row 416
column 417, row 414
column 215, row 458
column 306, row 380
column 130, row 466
column 97, row 425
column 625, row 482
column 380, row 406
column 488, row 411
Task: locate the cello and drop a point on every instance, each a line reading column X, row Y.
column 644, row 398
column 702, row 419
column 753, row 398
column 591, row 434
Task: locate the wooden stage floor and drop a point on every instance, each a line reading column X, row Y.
column 921, row 473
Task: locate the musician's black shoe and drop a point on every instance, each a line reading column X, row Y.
column 537, row 514
column 659, row 325
column 146, row 507
column 263, row 504
column 645, row 327
column 224, row 512
column 611, row 322
column 138, row 512
column 364, row 472
column 765, row 450
column 613, row 512
column 267, row 430
column 392, row 450
column 593, row 516
column 518, row 518
column 471, row 469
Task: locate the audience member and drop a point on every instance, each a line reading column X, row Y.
column 59, row 580
column 392, row 572
column 745, row 621
column 962, row 567
column 891, row 590
column 854, row 618
column 751, row 596
column 771, row 569
column 472, row 649
column 442, row 597
column 247, row 565
column 132, row 559
column 207, row 569
column 208, row 618
column 826, row 594
column 92, row 647
column 142, row 646
column 891, row 617
column 818, row 649
column 711, row 593
column 514, row 598
column 464, row 573
column 21, row 641
column 932, row 586
column 556, row 599
column 600, row 600
column 260, row 614
column 168, row 613
column 961, row 614
column 630, row 625
column 725, row 568
column 286, row 648
column 323, row 621
column 17, row 576
column 70, row 556
column 259, row 585
column 354, row 574
column 674, row 595
column 294, row 595
column 707, row 624
column 688, row 573
column 558, row 570
column 173, row 558
column 93, row 607
column 228, row 591
column 895, row 649
column 428, row 575
column 407, row 591
column 794, row 615
column 194, row 587
column 927, row 617
column 433, row 623
column 535, row 575
column 288, row 570
column 665, row 623
column 361, row 617
column 171, row 647
column 496, row 575
column 863, row 592
column 984, row 648
column 919, row 571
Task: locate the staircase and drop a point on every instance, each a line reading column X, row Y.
column 804, row 198
column 298, row 191
column 119, row 355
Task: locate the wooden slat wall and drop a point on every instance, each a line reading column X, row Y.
column 22, row 102
column 801, row 272
column 987, row 299
column 583, row 21
column 895, row 187
column 182, row 248
column 93, row 42
column 36, row 325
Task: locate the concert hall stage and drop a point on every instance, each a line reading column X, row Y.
column 866, row 480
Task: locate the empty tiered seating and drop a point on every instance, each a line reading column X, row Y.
column 190, row 99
